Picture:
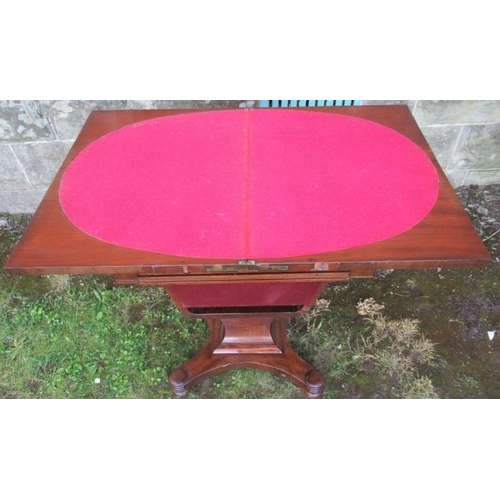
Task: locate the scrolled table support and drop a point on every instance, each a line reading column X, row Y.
column 238, row 342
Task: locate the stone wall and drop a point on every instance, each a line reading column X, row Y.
column 464, row 136
column 35, row 137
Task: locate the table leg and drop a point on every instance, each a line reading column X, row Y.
column 257, row 341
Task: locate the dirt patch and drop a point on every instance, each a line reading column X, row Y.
column 482, row 203
column 460, row 309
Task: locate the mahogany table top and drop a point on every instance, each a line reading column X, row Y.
column 190, row 192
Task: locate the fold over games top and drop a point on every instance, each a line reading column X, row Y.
column 249, row 184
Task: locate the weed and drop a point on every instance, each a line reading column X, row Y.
column 58, row 283
column 394, row 351
column 382, row 360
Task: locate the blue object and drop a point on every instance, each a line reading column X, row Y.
column 294, row 104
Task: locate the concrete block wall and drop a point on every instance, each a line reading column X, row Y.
column 35, row 137
column 464, row 136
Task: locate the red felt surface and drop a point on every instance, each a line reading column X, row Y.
column 249, row 184
column 253, row 294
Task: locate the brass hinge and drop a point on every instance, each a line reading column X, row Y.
column 247, row 266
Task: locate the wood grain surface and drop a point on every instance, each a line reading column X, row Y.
column 53, row 245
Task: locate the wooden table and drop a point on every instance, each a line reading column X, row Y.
column 244, row 217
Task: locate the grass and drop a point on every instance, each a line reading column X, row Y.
column 91, row 341
column 404, row 334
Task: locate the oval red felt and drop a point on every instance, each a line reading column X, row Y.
column 249, row 184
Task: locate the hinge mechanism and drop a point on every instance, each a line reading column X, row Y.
column 245, row 266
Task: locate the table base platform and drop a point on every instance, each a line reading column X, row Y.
column 254, row 340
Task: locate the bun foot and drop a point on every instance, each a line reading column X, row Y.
column 178, row 380
column 315, row 384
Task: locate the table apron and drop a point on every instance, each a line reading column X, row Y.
column 322, row 277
